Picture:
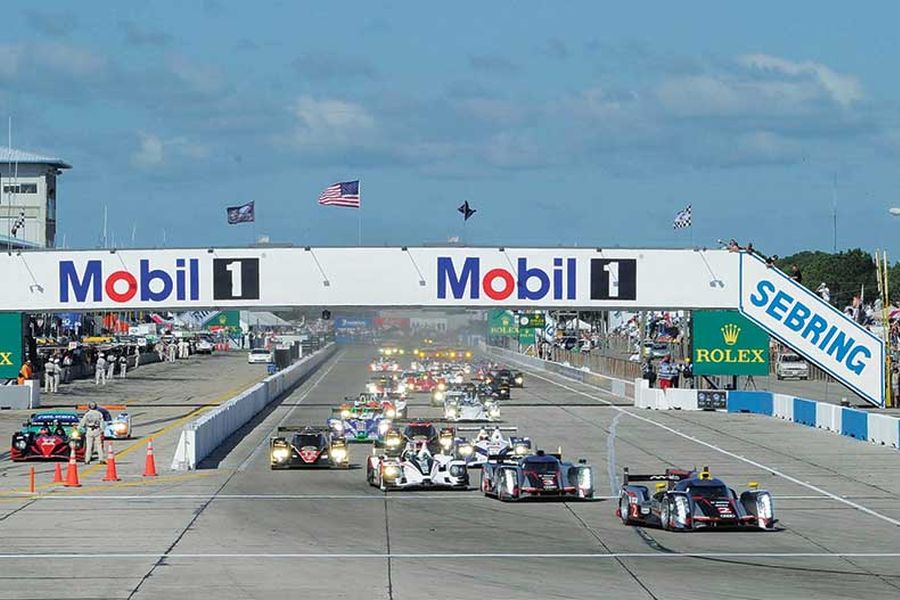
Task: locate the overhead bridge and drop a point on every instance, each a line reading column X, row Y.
column 450, row 277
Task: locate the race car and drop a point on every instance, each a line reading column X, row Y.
column 489, row 442
column 496, row 389
column 459, row 406
column 416, row 467
column 518, row 379
column 393, row 405
column 688, row 500
column 48, row 435
column 306, row 447
column 359, row 424
column 539, row 475
column 443, row 391
column 116, row 427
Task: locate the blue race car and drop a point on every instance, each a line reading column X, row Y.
column 359, row 423
column 688, row 500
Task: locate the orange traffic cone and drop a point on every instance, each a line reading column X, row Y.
column 111, row 474
column 72, row 472
column 57, row 474
column 150, row 463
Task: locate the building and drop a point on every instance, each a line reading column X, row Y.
column 28, row 199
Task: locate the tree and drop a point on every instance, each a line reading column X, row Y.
column 846, row 273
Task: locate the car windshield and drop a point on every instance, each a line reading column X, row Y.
column 541, row 466
column 48, row 419
column 308, row 439
column 708, row 491
column 413, row 431
column 259, row 351
column 791, row 358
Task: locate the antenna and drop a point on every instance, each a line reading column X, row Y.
column 834, row 214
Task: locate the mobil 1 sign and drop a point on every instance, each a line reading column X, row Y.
column 813, row 328
column 726, row 343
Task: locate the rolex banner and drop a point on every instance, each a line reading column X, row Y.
column 726, row 343
column 11, row 350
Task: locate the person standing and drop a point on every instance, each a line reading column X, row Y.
column 67, row 367
column 666, row 372
column 25, row 373
column 57, row 374
column 173, row 348
column 687, row 371
column 48, row 376
column 123, row 365
column 100, row 370
column 92, row 423
column 111, row 367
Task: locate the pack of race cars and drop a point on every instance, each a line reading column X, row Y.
column 411, row 452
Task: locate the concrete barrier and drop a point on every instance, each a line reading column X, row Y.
column 855, row 423
column 751, row 402
column 828, row 416
column 205, row 433
column 20, row 396
column 884, row 429
column 783, row 406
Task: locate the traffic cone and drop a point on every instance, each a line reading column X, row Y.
column 57, row 474
column 72, row 472
column 111, row 474
column 150, row 463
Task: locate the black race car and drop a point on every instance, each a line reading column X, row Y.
column 510, row 477
column 308, row 446
column 688, row 500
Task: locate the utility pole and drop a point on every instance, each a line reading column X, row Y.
column 834, row 214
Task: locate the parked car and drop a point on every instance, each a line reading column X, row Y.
column 791, row 366
column 259, row 355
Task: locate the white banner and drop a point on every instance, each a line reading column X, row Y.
column 813, row 328
column 380, row 277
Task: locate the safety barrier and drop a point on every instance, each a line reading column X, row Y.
column 203, row 435
column 849, row 422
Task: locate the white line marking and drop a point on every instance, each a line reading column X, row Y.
column 445, row 556
column 306, row 393
column 758, row 465
column 392, row 496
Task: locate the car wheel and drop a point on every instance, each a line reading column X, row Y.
column 624, row 507
column 665, row 516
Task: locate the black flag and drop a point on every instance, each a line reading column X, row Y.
column 466, row 211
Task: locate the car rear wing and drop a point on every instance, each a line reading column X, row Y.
column 670, row 476
column 488, row 429
column 310, row 428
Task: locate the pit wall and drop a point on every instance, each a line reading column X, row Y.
column 850, row 422
column 203, row 435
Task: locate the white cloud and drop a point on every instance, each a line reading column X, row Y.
column 331, row 122
column 149, row 153
column 843, row 89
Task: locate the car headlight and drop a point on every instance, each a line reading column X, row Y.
column 457, row 470
column 21, row 444
column 280, row 454
column 441, row 387
column 337, row 425
column 451, row 412
column 383, row 427
column 75, row 434
column 439, row 396
column 390, row 413
column 446, row 443
column 493, row 411
column 466, row 450
column 520, row 449
column 339, row 454
column 519, row 380
column 120, row 428
column 391, row 471
column 345, row 414
column 392, row 442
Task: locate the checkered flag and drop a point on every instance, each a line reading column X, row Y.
column 19, row 223
column 683, row 219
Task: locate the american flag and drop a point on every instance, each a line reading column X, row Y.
column 344, row 193
column 683, row 218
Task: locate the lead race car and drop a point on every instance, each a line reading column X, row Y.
column 48, row 435
column 689, row 500
column 416, row 468
column 296, row 447
column 540, row 475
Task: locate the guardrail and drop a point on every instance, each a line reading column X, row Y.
column 204, row 434
column 850, row 422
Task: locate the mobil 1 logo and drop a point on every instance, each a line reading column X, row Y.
column 235, row 279
column 613, row 279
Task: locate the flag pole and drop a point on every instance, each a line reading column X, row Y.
column 359, row 215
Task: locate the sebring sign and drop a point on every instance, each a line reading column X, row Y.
column 725, row 343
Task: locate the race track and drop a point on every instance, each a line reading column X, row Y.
column 238, row 530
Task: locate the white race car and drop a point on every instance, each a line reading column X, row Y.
column 416, row 467
column 489, row 441
column 466, row 407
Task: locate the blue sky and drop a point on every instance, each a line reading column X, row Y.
column 566, row 123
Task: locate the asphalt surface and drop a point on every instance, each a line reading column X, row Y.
column 239, row 530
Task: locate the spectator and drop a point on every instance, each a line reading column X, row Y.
column 796, row 275
column 647, row 371
column 67, row 367
column 824, row 292
column 666, row 372
column 687, row 371
column 25, row 373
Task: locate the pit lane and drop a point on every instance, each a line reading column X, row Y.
column 242, row 531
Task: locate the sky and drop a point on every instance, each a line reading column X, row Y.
column 562, row 123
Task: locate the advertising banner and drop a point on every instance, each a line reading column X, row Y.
column 726, row 343
column 198, row 278
column 813, row 328
column 502, row 323
column 353, row 330
column 11, row 350
column 227, row 319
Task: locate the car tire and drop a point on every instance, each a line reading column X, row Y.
column 624, row 506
